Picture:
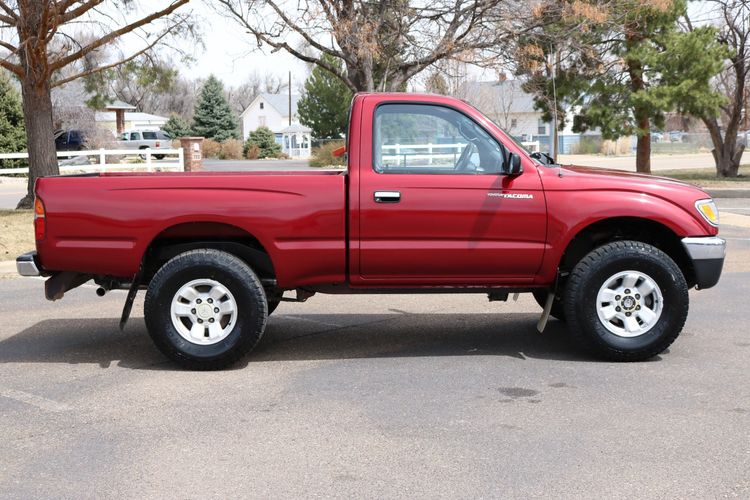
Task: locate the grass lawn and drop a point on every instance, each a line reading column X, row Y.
column 16, row 233
column 706, row 177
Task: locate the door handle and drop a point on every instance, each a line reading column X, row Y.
column 387, row 196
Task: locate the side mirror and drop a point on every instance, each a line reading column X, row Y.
column 514, row 165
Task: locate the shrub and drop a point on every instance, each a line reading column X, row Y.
column 265, row 140
column 587, row 146
column 211, row 148
column 231, row 149
column 252, row 151
column 322, row 156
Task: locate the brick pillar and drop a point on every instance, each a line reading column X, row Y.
column 193, row 153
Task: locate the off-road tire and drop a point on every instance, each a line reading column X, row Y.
column 232, row 273
column 598, row 266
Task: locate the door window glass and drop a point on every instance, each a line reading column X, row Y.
column 430, row 139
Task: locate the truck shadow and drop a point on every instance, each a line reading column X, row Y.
column 305, row 337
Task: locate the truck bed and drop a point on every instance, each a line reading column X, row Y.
column 104, row 224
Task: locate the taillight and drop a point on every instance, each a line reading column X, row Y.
column 158, row 144
column 40, row 219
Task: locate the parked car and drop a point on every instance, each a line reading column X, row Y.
column 69, row 140
column 612, row 254
column 145, row 139
column 676, row 136
column 657, row 136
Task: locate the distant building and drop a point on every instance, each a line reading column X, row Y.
column 108, row 120
column 272, row 111
column 505, row 103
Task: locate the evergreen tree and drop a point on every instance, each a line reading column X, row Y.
column 213, row 117
column 265, row 140
column 324, row 107
column 623, row 65
column 12, row 130
column 176, row 127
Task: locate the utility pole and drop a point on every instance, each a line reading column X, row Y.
column 290, row 98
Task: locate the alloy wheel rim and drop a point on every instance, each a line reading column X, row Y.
column 629, row 304
column 203, row 311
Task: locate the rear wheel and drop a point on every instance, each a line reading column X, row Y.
column 626, row 301
column 205, row 309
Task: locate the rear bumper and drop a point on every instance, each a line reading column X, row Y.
column 27, row 265
column 707, row 254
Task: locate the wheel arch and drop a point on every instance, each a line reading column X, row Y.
column 182, row 237
column 640, row 229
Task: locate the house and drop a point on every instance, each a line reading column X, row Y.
column 505, row 103
column 133, row 119
column 273, row 111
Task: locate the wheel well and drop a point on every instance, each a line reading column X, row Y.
column 194, row 235
column 628, row 228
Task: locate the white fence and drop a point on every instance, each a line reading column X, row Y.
column 101, row 165
column 428, row 151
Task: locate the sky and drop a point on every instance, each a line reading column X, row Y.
column 228, row 53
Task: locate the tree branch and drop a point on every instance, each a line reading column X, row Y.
column 61, row 63
column 99, row 69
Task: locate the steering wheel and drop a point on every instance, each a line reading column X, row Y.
column 463, row 165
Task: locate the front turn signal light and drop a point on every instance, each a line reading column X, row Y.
column 708, row 210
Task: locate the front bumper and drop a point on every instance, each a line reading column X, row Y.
column 707, row 254
column 27, row 265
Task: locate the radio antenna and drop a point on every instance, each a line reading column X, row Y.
column 553, row 132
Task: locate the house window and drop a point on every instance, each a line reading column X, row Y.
column 261, row 105
column 513, row 122
column 541, row 127
column 262, row 121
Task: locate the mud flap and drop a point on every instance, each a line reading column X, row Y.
column 132, row 292
column 546, row 312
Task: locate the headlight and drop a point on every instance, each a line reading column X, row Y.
column 708, row 210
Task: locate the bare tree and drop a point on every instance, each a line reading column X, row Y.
column 382, row 43
column 38, row 44
column 242, row 95
column 732, row 19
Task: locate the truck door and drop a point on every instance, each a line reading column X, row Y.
column 435, row 207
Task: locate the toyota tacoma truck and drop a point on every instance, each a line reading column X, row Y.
column 435, row 198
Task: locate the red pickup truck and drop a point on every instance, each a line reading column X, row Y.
column 436, row 198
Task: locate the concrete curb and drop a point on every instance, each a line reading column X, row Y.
column 728, row 192
column 13, row 180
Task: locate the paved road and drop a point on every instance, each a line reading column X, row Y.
column 374, row 396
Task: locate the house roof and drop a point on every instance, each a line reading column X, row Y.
column 296, row 128
column 279, row 102
column 109, row 116
column 506, row 95
column 119, row 105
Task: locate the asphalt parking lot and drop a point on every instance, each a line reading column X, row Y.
column 376, row 396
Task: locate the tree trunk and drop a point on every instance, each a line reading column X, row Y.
column 643, row 146
column 727, row 153
column 40, row 133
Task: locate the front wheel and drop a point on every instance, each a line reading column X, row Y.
column 205, row 309
column 626, row 301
